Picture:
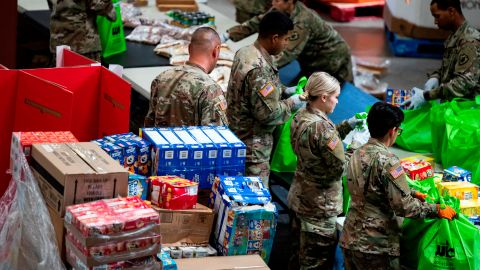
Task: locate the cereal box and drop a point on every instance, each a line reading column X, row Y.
column 397, row 96
column 457, row 174
column 138, row 186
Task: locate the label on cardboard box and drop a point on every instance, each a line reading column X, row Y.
column 76, row 173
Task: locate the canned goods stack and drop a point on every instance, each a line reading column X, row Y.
column 188, row 19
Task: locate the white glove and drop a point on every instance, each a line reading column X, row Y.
column 297, row 103
column 431, row 83
column 224, row 37
column 353, row 121
column 417, row 100
column 290, row 90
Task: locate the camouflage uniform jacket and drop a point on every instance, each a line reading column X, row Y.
column 254, row 101
column 459, row 74
column 313, row 42
column 186, row 96
column 252, row 6
column 316, row 190
column 379, row 192
column 73, row 23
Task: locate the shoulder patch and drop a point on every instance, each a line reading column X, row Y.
column 332, row 143
column 396, row 171
column 267, row 89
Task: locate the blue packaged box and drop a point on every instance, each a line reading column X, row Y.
column 196, row 152
column 100, row 142
column 143, row 163
column 210, row 159
column 397, row 97
column 224, row 156
column 114, row 151
column 238, row 147
column 242, row 230
column 162, row 154
column 234, row 170
column 457, row 174
column 137, row 186
column 129, row 149
column 180, row 150
column 244, row 190
column 167, row 262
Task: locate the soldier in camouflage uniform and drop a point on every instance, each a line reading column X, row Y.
column 459, row 75
column 186, row 95
column 379, row 193
column 247, row 9
column 73, row 23
column 254, row 92
column 313, row 42
column 315, row 196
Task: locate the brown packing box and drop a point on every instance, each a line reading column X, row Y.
column 75, row 173
column 57, row 222
column 408, row 29
column 180, row 227
column 244, row 262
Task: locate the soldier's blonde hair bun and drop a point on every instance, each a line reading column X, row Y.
column 320, row 83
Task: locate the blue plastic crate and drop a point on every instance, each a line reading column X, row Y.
column 412, row 47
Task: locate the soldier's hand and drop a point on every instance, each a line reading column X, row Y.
column 297, row 103
column 416, row 101
column 420, row 196
column 431, row 83
column 354, row 121
column 224, row 37
column 447, row 212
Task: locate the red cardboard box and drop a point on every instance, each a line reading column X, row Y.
column 89, row 101
column 417, row 170
column 172, row 192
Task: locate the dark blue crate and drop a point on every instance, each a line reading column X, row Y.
column 412, row 47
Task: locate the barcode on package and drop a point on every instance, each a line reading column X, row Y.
column 198, row 155
column 242, row 153
column 183, row 155
column 227, row 153
column 212, row 154
column 168, row 154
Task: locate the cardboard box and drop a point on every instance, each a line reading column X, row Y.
column 417, row 170
column 57, row 223
column 210, row 159
column 246, row 262
column 239, row 148
column 180, row 149
column 224, row 156
column 196, row 152
column 461, row 190
column 172, row 192
column 470, row 208
column 75, row 173
column 180, row 227
column 162, row 151
column 417, row 158
column 457, row 174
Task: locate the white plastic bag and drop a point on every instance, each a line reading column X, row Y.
column 27, row 237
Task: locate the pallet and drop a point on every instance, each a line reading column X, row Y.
column 186, row 5
column 346, row 12
column 412, row 47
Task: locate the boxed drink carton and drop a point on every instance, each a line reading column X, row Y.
column 180, row 149
column 172, row 192
column 224, row 157
column 398, row 96
column 457, row 174
column 210, row 158
column 75, row 173
column 196, row 152
column 417, row 170
column 461, row 190
column 186, row 227
column 162, row 150
column 239, row 148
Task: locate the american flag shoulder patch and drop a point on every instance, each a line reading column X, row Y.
column 396, row 171
column 267, row 89
column 332, row 143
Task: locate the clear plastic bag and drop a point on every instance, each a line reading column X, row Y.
column 27, row 236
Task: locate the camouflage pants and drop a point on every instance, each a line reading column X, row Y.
column 314, row 242
column 356, row 260
column 258, row 169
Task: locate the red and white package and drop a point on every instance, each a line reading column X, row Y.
column 172, row 192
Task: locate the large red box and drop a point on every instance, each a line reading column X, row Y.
column 89, row 101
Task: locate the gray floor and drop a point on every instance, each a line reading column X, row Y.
column 367, row 39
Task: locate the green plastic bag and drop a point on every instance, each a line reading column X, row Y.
column 284, row 158
column 437, row 120
column 461, row 144
column 416, row 136
column 426, row 186
column 111, row 33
